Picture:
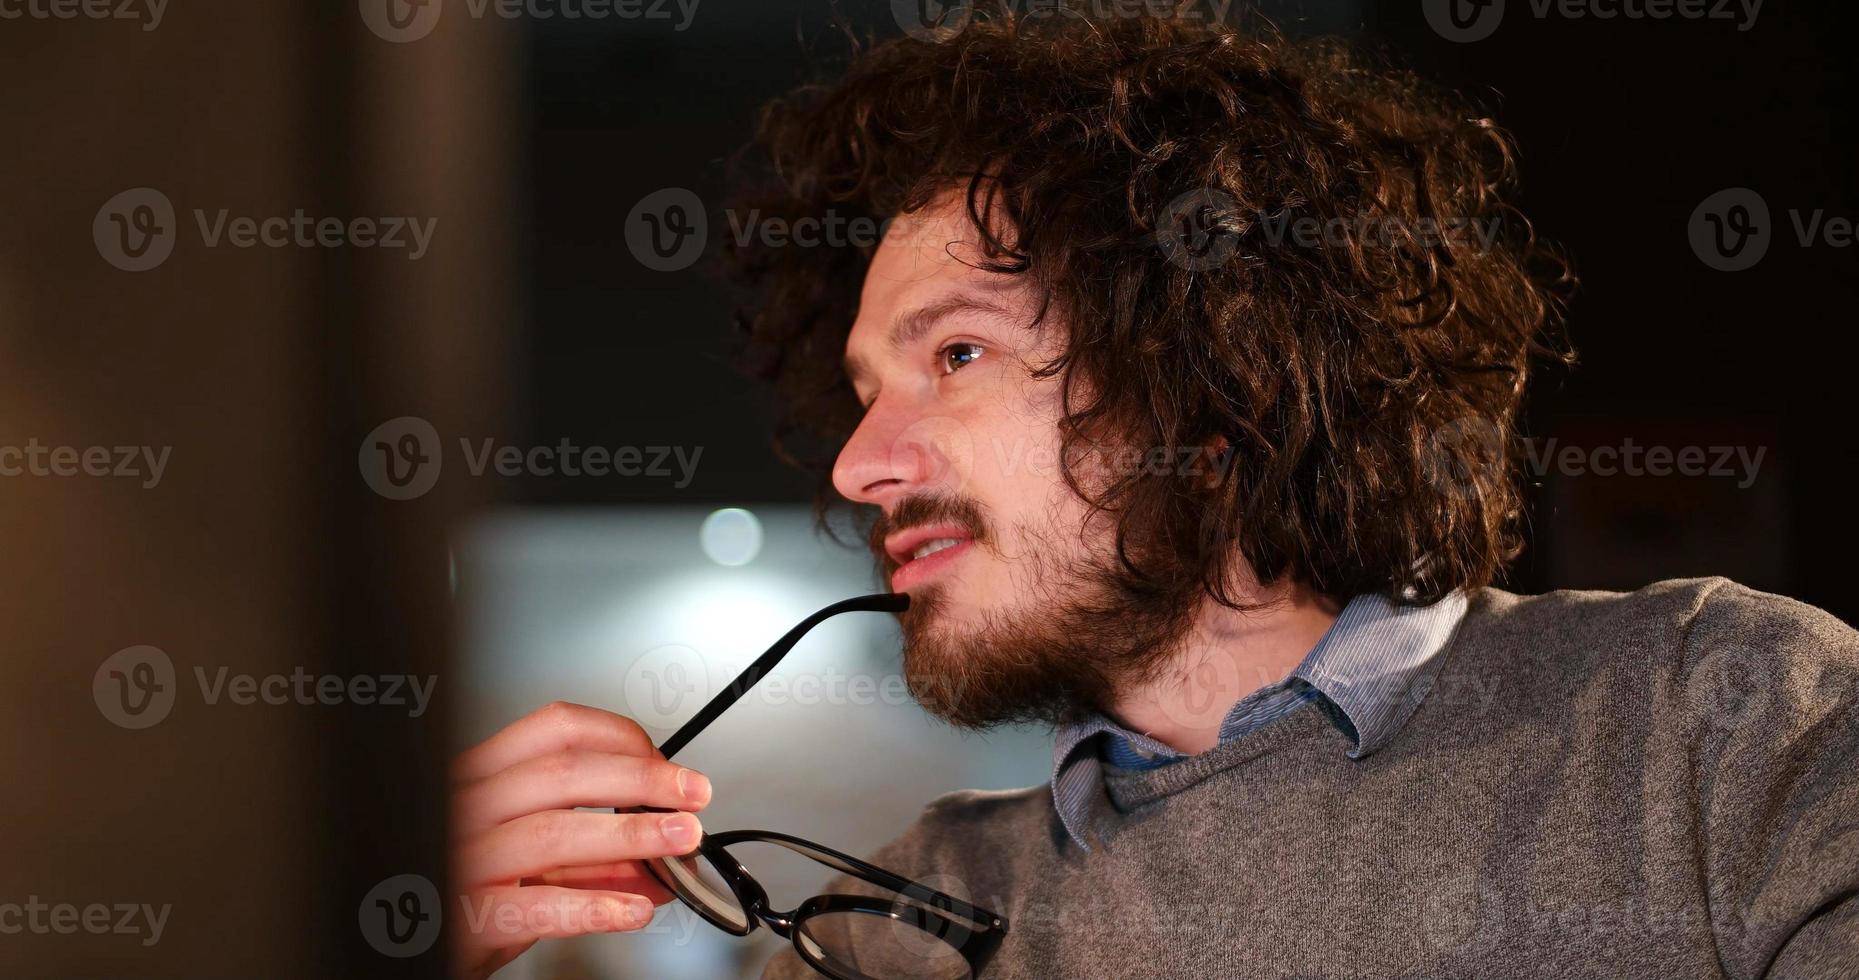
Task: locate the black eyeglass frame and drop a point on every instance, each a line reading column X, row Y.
column 974, row 932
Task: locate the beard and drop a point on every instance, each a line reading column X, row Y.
column 1080, row 633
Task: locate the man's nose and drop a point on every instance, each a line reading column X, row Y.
column 896, row 452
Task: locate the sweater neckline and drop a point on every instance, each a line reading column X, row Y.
column 1132, row 788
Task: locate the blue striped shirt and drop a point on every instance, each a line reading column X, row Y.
column 1369, row 672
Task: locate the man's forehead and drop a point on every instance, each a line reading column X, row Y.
column 929, row 265
column 936, row 243
column 892, row 327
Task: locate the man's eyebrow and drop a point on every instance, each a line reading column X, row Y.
column 909, row 327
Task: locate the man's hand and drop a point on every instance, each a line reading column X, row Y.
column 530, row 865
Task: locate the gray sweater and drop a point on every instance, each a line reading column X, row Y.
column 1656, row 784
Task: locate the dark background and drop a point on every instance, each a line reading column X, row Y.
column 1625, row 127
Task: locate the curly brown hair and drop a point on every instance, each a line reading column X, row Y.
column 1366, row 381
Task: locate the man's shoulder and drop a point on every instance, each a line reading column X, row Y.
column 1666, row 604
column 1688, row 610
column 1711, row 643
column 968, row 820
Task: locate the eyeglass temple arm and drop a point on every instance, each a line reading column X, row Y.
column 751, row 675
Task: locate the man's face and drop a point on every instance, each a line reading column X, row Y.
column 1013, row 613
column 958, row 445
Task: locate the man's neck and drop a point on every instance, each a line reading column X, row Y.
column 1227, row 655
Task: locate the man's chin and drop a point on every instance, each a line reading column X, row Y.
column 929, row 606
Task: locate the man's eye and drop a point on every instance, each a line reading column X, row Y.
column 954, row 357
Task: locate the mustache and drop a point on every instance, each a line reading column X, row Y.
column 962, row 512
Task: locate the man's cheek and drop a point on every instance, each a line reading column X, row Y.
column 939, row 452
column 1039, row 460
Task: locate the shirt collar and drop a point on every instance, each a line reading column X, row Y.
column 1373, row 666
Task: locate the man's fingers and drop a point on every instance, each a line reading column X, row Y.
column 516, row 915
column 556, row 727
column 538, row 843
column 563, row 780
column 612, row 876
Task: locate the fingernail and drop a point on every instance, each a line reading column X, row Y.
column 622, row 914
column 635, row 913
column 679, row 828
column 694, row 786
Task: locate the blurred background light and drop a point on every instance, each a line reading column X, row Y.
column 731, row 536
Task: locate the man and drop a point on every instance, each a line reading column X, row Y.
column 1183, row 388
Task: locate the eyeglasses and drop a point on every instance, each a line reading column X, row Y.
column 913, row 934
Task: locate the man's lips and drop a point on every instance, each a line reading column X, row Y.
column 902, row 547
